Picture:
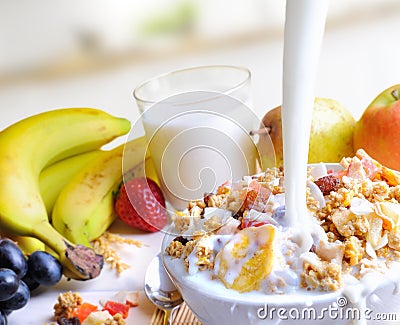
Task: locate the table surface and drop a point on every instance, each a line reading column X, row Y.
column 39, row 310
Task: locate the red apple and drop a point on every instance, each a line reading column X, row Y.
column 378, row 129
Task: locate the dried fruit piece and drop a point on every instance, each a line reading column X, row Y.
column 328, row 184
column 114, row 307
column 84, row 310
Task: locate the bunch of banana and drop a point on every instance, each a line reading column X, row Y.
column 32, row 144
column 51, row 181
column 54, row 177
column 84, row 209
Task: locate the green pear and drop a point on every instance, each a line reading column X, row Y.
column 378, row 129
column 331, row 134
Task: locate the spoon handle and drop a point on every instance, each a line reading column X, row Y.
column 167, row 317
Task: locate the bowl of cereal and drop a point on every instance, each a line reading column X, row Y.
column 235, row 259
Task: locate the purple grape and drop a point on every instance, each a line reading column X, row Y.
column 18, row 300
column 8, row 283
column 31, row 283
column 44, row 268
column 11, row 257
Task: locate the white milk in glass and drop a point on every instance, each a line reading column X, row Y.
column 199, row 143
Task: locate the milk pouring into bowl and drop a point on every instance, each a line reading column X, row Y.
column 303, row 36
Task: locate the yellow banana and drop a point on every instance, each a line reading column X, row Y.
column 26, row 148
column 51, row 180
column 85, row 207
column 28, row 245
column 54, row 177
column 100, row 220
column 150, row 171
column 104, row 214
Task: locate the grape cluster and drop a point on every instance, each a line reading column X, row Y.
column 20, row 275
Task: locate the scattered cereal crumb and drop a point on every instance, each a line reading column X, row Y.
column 103, row 245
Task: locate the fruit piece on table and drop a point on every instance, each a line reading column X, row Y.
column 84, row 310
column 98, row 317
column 331, row 134
column 378, row 129
column 141, row 204
column 84, row 209
column 114, row 307
column 53, row 135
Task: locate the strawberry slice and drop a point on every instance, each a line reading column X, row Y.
column 140, row 204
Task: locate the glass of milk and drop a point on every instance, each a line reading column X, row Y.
column 197, row 124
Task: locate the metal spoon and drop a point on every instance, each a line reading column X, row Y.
column 160, row 290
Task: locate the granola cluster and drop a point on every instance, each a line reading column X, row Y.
column 357, row 207
column 66, row 304
column 323, row 276
column 363, row 212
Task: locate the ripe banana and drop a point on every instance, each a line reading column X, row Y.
column 28, row 245
column 26, row 148
column 54, row 177
column 85, row 207
column 51, row 180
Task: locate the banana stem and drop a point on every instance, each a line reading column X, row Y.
column 79, row 262
column 48, row 235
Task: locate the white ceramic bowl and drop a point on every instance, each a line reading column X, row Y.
column 216, row 305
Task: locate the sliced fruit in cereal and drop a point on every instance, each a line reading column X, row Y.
column 247, row 259
column 374, row 234
column 389, row 212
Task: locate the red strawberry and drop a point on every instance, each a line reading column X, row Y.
column 140, row 204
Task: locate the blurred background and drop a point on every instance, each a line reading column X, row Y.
column 93, row 53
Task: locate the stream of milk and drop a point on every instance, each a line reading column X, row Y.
column 304, row 29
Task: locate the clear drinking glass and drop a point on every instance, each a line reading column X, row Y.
column 228, row 80
column 197, row 124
